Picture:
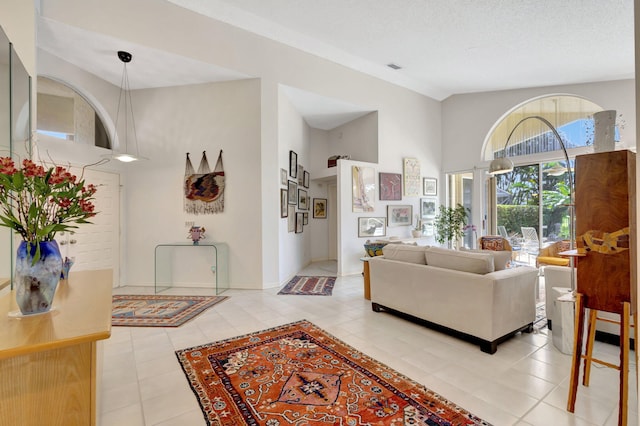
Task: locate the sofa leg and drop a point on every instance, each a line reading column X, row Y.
column 529, row 328
column 489, row 347
column 375, row 307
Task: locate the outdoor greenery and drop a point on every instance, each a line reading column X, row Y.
column 518, row 200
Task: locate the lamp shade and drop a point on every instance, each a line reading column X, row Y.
column 500, row 165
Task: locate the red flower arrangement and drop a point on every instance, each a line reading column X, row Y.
column 38, row 202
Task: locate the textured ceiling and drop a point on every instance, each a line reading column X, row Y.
column 444, row 47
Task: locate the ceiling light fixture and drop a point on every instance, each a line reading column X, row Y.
column 126, row 156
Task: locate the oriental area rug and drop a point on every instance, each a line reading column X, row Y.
column 159, row 311
column 309, row 286
column 298, row 374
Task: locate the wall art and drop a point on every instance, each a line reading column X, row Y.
column 411, row 177
column 429, row 186
column 300, row 175
column 371, row 227
column 283, row 177
column 305, row 180
column 390, row 186
column 305, row 217
column 428, row 207
column 399, row 215
column 284, row 202
column 291, row 218
column 299, row 222
column 204, row 190
column 293, row 192
column 320, row 208
column 293, row 164
column 303, row 200
column 364, row 188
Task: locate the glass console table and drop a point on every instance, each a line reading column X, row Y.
column 185, row 263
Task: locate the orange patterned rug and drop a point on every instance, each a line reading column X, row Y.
column 299, row 374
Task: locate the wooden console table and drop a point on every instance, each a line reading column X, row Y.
column 49, row 362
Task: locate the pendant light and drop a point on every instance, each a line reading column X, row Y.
column 125, row 156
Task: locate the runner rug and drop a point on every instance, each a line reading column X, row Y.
column 159, row 311
column 310, row 286
column 299, row 374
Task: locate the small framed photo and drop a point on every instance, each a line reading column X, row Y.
column 284, row 202
column 283, row 177
column 299, row 222
column 305, row 180
column 293, row 164
column 305, row 218
column 390, row 186
column 371, row 227
column 428, row 207
column 303, row 200
column 400, row 215
column 291, row 218
column 293, row 192
column 300, row 175
column 319, row 208
column 429, row 186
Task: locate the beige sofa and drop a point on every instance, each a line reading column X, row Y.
column 459, row 292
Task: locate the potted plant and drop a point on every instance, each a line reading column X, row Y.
column 37, row 203
column 449, row 224
column 416, row 232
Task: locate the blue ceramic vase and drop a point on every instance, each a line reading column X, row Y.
column 36, row 283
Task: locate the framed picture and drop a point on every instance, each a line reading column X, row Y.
column 305, row 180
column 293, row 164
column 429, row 186
column 428, row 207
column 303, row 200
column 300, row 175
column 428, row 229
column 411, row 177
column 305, row 218
column 293, row 192
column 364, row 188
column 371, row 227
column 390, row 186
column 299, row 222
column 320, row 208
column 284, row 202
column 291, row 218
column 400, row 215
column 283, row 177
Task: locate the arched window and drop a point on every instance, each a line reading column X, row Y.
column 64, row 114
column 572, row 116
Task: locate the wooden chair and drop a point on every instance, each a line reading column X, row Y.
column 549, row 255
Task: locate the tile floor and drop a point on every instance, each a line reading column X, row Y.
column 525, row 383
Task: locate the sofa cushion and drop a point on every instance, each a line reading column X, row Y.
column 465, row 261
column 404, row 253
column 501, row 259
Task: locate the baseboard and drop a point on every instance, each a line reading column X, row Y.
column 612, row 339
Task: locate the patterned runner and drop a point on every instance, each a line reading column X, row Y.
column 310, row 286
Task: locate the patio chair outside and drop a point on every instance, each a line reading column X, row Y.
column 531, row 243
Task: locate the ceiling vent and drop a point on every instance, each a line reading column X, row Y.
column 394, row 66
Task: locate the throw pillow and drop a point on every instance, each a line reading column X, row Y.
column 490, row 242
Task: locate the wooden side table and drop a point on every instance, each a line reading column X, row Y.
column 366, row 276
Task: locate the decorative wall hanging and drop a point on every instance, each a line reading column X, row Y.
column 371, row 227
column 204, row 190
column 399, row 215
column 390, row 186
column 364, row 188
column 411, row 177
column 429, row 186
column 320, row 208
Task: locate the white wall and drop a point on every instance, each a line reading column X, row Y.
column 293, row 135
column 408, row 123
column 17, row 18
column 357, row 138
